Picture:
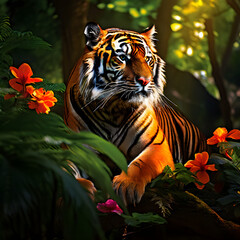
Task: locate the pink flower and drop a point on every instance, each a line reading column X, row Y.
column 110, row 206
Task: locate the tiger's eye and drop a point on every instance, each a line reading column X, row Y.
column 123, row 57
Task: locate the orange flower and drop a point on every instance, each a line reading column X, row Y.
column 42, row 100
column 199, row 167
column 220, row 135
column 22, row 77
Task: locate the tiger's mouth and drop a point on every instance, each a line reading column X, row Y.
column 136, row 96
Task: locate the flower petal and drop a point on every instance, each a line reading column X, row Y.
column 220, row 132
column 25, row 70
column 211, row 167
column 102, row 208
column 203, row 177
column 33, row 80
column 32, row 105
column 212, row 141
column 42, row 108
column 189, row 164
column 234, row 134
column 16, row 84
column 30, row 89
column 198, row 159
column 118, row 210
column 109, row 206
column 49, row 103
column 14, row 72
column 8, row 96
column 195, row 169
column 199, row 186
column 205, row 158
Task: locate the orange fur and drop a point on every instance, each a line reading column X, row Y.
column 136, row 124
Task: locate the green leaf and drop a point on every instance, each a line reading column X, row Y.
column 31, row 184
column 5, row 29
column 106, row 148
column 229, row 199
column 139, row 218
column 183, row 174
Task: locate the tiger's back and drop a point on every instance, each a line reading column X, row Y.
column 116, row 92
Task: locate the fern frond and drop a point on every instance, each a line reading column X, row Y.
column 24, row 40
column 5, row 29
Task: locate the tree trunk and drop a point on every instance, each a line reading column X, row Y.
column 232, row 38
column 73, row 18
column 163, row 22
column 217, row 75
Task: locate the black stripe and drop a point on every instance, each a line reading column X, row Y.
column 136, row 164
column 125, row 128
column 153, row 138
column 91, row 125
column 137, row 137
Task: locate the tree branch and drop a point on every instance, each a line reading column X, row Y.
column 217, row 75
column 190, row 217
column 234, row 5
column 232, row 38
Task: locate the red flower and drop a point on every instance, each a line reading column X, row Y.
column 22, row 77
column 199, row 167
column 220, row 135
column 110, row 206
column 42, row 100
column 9, row 95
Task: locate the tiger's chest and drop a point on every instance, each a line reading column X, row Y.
column 130, row 129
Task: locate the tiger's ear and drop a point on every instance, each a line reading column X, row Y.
column 149, row 35
column 92, row 34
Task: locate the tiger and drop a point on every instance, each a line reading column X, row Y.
column 116, row 90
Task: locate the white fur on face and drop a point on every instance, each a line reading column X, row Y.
column 88, row 81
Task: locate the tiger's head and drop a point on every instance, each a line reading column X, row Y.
column 121, row 63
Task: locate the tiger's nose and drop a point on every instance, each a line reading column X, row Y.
column 142, row 80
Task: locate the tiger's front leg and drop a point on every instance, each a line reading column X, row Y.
column 145, row 167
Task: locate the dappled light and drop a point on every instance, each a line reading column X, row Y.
column 119, row 119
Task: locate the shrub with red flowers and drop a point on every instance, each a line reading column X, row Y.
column 40, row 99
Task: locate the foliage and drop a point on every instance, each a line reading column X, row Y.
column 10, row 41
column 174, row 179
column 224, row 185
column 34, row 164
column 39, row 194
column 137, row 219
column 140, row 11
column 39, row 19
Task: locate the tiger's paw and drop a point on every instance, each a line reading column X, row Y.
column 130, row 190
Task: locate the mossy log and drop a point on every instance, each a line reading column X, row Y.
column 190, row 218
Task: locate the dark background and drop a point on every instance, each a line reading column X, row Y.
column 199, row 40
